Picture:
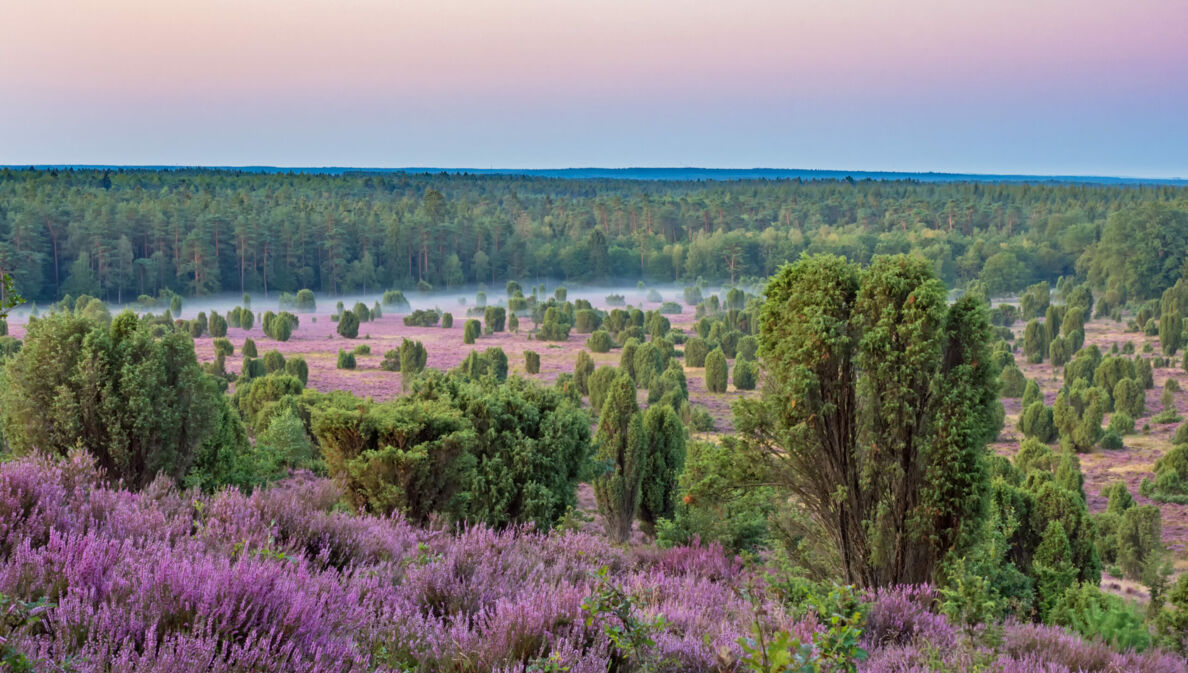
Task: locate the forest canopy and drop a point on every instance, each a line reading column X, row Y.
column 120, row 235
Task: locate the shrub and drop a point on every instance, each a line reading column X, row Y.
column 395, row 299
column 695, row 351
column 748, row 346
column 217, row 325
column 222, row 346
column 391, row 361
column 1139, row 540
column 513, row 323
column 348, row 325
column 273, row 361
column 582, row 370
column 361, row 349
column 532, row 362
column 1121, row 423
column 362, row 312
column 346, row 359
column 1036, row 421
column 1012, row 382
column 554, row 327
column 670, row 308
column 701, row 420
column 447, row 320
column 1130, row 398
column 663, row 462
column 296, row 367
column 471, row 331
column 145, row 411
column 413, row 358
column 715, row 371
column 422, row 318
column 495, row 317
column 249, row 348
column 1035, row 344
column 600, row 342
column 1111, row 440
column 745, row 374
column 305, row 302
column 693, row 295
column 586, row 321
column 647, row 363
column 616, row 300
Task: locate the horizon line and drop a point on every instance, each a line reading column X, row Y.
column 539, row 170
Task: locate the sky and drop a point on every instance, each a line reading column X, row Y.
column 1070, row 87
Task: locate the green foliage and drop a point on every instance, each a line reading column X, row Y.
column 1031, row 394
column 1095, row 615
column 647, row 364
column 586, row 321
column 1140, row 545
column 881, row 350
column 296, row 367
column 217, row 325
column 663, row 462
column 1171, row 332
column 748, row 347
column 305, row 301
column 222, row 346
column 696, row 350
column 599, row 384
column 346, row 360
column 1035, row 342
column 619, row 455
column 472, row 330
column 421, row 318
column 1034, row 301
column 141, row 404
column 395, row 299
column 1037, row 422
column 530, row 443
column 407, row 455
column 554, row 326
column 746, row 374
column 273, row 361
column 1078, row 414
column 1060, row 350
column 447, row 320
column 1054, row 569
column 715, row 371
column 836, row 648
column 413, row 358
column 716, row 502
column 1121, row 424
column 1012, row 382
column 582, row 370
column 1082, row 366
column 600, row 342
column 1130, row 399
column 348, row 325
column 495, row 318
column 532, row 362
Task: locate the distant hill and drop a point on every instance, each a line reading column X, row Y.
column 670, row 174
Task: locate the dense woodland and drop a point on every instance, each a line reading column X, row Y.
column 855, row 518
column 121, row 234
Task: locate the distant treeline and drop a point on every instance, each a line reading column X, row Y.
column 121, row 234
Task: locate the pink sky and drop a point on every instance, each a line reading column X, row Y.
column 838, row 84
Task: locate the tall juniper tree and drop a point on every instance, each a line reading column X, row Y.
column 875, row 414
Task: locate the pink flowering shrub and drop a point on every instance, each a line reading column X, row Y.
column 281, row 580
